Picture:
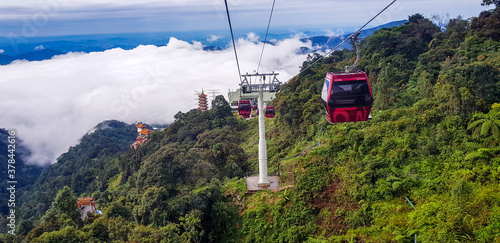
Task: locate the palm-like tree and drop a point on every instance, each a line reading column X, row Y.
column 487, row 124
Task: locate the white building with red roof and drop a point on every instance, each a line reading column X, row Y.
column 142, row 135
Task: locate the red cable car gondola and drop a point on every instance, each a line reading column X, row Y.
column 244, row 108
column 347, row 97
column 270, row 113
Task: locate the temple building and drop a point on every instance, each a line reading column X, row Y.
column 86, row 205
column 142, row 135
column 202, row 102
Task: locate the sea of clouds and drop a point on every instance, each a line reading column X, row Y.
column 51, row 104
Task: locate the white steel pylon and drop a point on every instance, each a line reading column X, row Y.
column 271, row 85
column 263, row 180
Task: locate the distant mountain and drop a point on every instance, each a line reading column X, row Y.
column 327, row 42
column 5, row 59
column 212, row 48
column 39, row 55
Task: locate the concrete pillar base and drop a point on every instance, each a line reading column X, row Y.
column 264, row 184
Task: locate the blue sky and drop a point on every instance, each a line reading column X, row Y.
column 76, row 17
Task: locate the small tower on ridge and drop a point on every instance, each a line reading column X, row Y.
column 202, row 101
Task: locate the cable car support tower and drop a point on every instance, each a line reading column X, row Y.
column 258, row 83
column 272, row 85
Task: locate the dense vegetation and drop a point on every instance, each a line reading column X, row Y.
column 427, row 165
column 85, row 168
column 169, row 188
column 25, row 176
column 433, row 141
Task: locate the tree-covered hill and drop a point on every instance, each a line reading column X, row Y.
column 86, row 168
column 24, row 174
column 433, row 141
column 426, row 166
column 171, row 185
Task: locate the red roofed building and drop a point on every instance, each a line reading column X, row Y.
column 86, row 205
column 142, row 137
column 145, row 132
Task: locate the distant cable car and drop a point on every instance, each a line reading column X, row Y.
column 244, row 108
column 255, row 106
column 347, row 97
column 270, row 113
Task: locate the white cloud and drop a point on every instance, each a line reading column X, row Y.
column 213, row 38
column 298, row 35
column 39, row 48
column 53, row 103
column 2, row 51
column 336, row 33
column 252, row 37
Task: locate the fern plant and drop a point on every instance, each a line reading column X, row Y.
column 487, row 124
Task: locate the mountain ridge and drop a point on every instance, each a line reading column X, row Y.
column 37, row 55
column 327, row 42
column 60, row 47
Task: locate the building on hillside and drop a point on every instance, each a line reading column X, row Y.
column 86, row 205
column 202, row 102
column 140, row 126
column 142, row 135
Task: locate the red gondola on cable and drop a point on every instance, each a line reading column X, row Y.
column 270, row 113
column 244, row 108
column 347, row 97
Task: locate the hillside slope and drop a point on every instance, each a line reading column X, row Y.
column 433, row 141
column 85, row 168
column 23, row 173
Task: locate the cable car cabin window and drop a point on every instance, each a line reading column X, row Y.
column 244, row 107
column 270, row 111
column 350, row 94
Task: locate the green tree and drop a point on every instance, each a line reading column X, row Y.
column 148, row 234
column 487, row 25
column 191, row 223
column 385, row 88
column 487, row 124
column 117, row 209
column 489, row 2
column 119, row 228
column 221, row 107
column 413, row 19
column 68, row 234
column 98, row 229
column 151, row 207
column 64, row 205
column 63, row 213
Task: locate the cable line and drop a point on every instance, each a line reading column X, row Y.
column 265, row 39
column 351, row 36
column 232, row 37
